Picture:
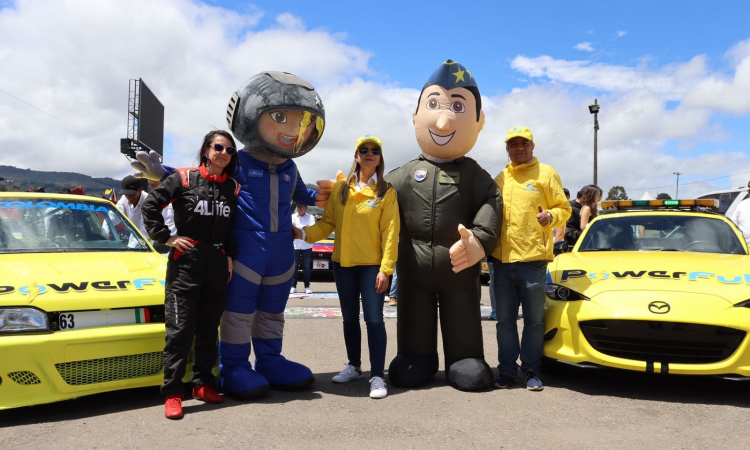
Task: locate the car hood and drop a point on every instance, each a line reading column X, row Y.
column 594, row 273
column 81, row 281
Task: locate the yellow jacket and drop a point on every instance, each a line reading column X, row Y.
column 524, row 188
column 366, row 232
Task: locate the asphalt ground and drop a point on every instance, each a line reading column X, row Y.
column 577, row 409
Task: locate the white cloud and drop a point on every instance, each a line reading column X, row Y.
column 290, row 22
column 621, row 33
column 191, row 55
column 723, row 93
column 584, row 46
column 670, row 82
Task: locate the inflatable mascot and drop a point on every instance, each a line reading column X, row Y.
column 450, row 219
column 278, row 116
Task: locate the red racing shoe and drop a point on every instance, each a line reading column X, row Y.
column 207, row 394
column 173, row 407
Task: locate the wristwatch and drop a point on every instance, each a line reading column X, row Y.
column 550, row 217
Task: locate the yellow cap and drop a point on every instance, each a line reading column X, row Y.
column 519, row 131
column 368, row 138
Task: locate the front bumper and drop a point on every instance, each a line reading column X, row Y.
column 44, row 368
column 701, row 335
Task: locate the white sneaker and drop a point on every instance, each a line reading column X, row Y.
column 347, row 375
column 293, row 290
column 308, row 291
column 378, row 389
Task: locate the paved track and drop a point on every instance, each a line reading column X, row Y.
column 577, row 409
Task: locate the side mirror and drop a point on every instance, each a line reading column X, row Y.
column 560, row 247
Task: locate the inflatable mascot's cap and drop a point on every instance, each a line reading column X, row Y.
column 277, row 113
column 448, row 116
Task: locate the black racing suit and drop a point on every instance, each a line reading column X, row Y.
column 196, row 284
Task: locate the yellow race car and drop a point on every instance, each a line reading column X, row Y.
column 81, row 300
column 653, row 286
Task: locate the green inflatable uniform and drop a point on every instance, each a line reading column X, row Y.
column 439, row 194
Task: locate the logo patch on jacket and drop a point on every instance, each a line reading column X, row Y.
column 255, row 173
column 286, row 177
column 448, row 177
column 420, row 174
column 530, row 187
column 371, row 204
column 208, row 208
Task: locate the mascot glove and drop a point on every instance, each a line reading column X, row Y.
column 467, row 251
column 148, row 166
column 325, row 187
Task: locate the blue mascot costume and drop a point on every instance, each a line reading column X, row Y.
column 278, row 116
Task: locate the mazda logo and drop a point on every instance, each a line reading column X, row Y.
column 659, row 307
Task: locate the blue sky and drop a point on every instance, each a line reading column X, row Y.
column 673, row 78
column 405, row 35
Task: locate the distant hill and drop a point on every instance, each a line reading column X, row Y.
column 22, row 180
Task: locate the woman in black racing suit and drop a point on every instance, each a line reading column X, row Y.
column 200, row 264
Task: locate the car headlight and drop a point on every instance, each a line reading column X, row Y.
column 22, row 319
column 557, row 292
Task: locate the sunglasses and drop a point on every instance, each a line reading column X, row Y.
column 375, row 151
column 220, row 148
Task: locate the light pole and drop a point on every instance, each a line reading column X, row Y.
column 677, row 192
column 594, row 109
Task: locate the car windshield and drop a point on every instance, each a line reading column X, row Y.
column 663, row 232
column 72, row 224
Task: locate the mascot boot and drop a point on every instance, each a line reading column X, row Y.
column 238, row 379
column 268, row 333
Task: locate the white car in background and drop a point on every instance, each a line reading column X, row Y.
column 728, row 199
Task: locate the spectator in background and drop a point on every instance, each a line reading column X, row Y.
column 302, row 250
column 590, row 199
column 131, row 201
column 168, row 214
column 392, row 299
column 741, row 217
column 559, row 232
column 663, row 196
column 493, row 303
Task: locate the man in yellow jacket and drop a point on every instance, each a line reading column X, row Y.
column 533, row 204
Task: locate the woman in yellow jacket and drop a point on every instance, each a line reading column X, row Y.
column 364, row 212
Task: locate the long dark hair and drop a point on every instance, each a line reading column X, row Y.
column 589, row 195
column 381, row 187
column 208, row 139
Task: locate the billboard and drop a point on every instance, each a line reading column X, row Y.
column 150, row 120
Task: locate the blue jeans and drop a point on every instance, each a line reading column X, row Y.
column 351, row 282
column 520, row 283
column 306, row 266
column 392, row 294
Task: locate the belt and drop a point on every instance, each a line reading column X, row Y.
column 205, row 247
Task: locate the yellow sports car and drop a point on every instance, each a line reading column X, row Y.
column 653, row 286
column 81, row 300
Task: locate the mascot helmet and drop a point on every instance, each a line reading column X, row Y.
column 277, row 113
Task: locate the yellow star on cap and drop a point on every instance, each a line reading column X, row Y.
column 459, row 75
